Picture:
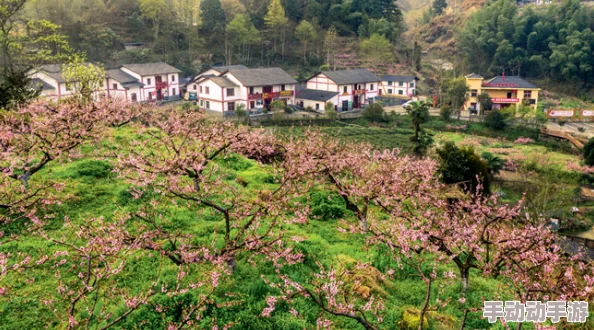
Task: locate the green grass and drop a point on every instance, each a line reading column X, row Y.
column 93, row 191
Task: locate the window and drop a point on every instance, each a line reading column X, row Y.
column 400, row 92
column 134, row 97
column 194, row 86
column 172, row 78
column 371, row 88
column 390, row 83
column 473, row 93
column 390, row 91
column 412, row 84
column 207, row 104
column 115, row 86
column 173, row 92
column 251, row 90
column 230, row 92
column 527, row 94
column 317, row 106
column 252, row 104
column 344, row 89
column 282, row 87
column 509, row 95
column 400, row 83
column 231, row 106
column 148, row 81
column 207, row 90
column 200, row 89
column 201, row 103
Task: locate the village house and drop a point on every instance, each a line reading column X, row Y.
column 218, row 70
column 120, row 84
column 355, row 88
column 132, row 82
column 53, row 85
column 255, row 89
column 404, row 86
column 316, row 99
column 160, row 80
column 504, row 91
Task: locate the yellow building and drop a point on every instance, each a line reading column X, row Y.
column 504, row 91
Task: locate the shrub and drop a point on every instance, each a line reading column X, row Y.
column 374, row 112
column 330, row 111
column 581, row 129
column 94, row 168
column 327, row 206
column 496, row 120
column 186, row 106
column 236, row 163
column 562, row 122
column 445, row 112
column 288, row 110
column 462, row 166
column 309, row 108
column 277, row 105
column 589, row 153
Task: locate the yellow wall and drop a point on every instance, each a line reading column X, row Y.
column 476, row 83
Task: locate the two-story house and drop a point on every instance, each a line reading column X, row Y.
column 404, row 86
column 505, row 91
column 254, row 88
column 119, row 84
column 160, row 80
column 53, row 85
column 355, row 88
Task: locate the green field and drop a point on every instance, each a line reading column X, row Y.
column 92, row 191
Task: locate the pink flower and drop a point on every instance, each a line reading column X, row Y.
column 462, row 300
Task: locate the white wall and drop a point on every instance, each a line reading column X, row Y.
column 406, row 89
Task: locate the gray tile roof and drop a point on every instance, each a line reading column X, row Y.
column 313, row 94
column 123, row 78
column 399, row 78
column 474, row 75
column 345, row 77
column 150, row 69
column 53, row 71
column 514, row 80
column 41, row 83
column 222, row 69
column 223, row 82
column 262, row 77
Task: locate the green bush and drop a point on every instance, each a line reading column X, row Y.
column 374, row 112
column 326, row 206
column 236, row 163
column 288, row 110
column 93, row 168
column 445, row 112
column 562, row 122
column 242, row 181
column 589, row 153
column 462, row 166
column 496, row 120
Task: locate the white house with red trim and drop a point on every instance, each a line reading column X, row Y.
column 160, row 80
column 254, row 88
column 133, row 82
column 356, row 88
column 395, row 85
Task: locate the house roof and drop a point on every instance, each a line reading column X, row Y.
column 221, row 69
column 123, row 78
column 262, row 77
column 399, row 78
column 150, row 69
column 41, row 83
column 313, row 94
column 222, row 82
column 344, row 77
column 473, row 76
column 53, row 71
column 514, row 80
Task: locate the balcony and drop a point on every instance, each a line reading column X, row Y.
column 161, row 84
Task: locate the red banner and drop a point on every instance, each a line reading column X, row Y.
column 504, row 100
column 500, row 85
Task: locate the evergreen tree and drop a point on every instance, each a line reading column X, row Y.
column 439, row 6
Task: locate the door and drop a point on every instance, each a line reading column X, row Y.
column 345, row 105
column 157, row 84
